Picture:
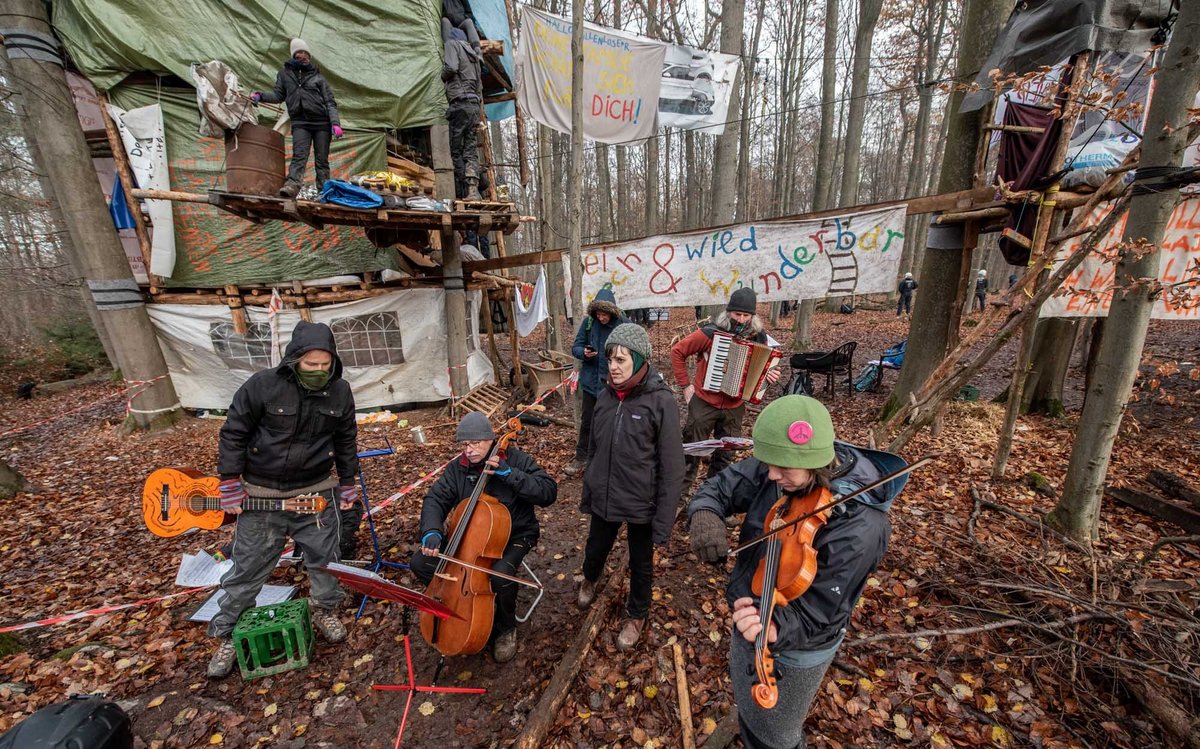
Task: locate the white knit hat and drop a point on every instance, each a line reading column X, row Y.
column 299, row 45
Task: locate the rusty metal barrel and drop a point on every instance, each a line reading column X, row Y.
column 254, row 161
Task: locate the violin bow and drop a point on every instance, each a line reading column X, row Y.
column 494, row 573
column 839, row 500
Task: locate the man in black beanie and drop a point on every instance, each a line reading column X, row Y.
column 715, row 414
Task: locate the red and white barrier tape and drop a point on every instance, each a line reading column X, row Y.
column 133, row 388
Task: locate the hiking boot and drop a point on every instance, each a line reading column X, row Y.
column 473, row 190
column 223, row 660
column 575, row 467
column 328, row 624
column 587, row 594
column 506, row 647
column 289, row 190
column 630, row 634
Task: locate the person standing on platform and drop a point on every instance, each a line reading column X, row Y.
column 464, row 92
column 313, row 113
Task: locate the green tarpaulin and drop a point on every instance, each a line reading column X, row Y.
column 214, row 248
column 383, row 60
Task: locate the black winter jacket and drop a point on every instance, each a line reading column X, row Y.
column 849, row 546
column 907, row 287
column 635, row 462
column 308, row 95
column 526, row 487
column 280, row 435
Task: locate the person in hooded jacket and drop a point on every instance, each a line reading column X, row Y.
column 286, row 430
column 634, row 473
column 906, row 288
column 603, row 317
column 981, row 290
column 464, row 92
column 519, row 483
column 794, row 453
column 312, row 111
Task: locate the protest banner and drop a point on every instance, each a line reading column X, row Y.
column 1089, row 289
column 854, row 253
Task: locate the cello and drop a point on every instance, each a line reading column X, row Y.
column 478, row 530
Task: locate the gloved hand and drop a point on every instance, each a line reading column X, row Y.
column 347, row 496
column 256, row 96
column 710, row 540
column 431, row 543
column 338, row 131
column 232, row 496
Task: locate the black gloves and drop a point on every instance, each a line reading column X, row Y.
column 709, row 537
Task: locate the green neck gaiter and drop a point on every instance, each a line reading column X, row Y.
column 312, row 379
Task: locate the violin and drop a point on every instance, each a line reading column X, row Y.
column 787, row 569
column 478, row 529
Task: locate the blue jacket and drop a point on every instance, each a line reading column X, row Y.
column 849, row 546
column 594, row 372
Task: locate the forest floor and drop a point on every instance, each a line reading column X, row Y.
column 1060, row 650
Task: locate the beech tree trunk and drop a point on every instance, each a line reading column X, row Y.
column 941, row 271
column 1166, row 135
column 1052, row 346
column 725, row 161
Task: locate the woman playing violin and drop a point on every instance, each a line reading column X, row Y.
column 795, row 457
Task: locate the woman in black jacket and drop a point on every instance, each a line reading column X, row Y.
column 634, row 473
column 313, row 112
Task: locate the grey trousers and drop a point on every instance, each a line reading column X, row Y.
column 305, row 137
column 258, row 540
column 781, row 727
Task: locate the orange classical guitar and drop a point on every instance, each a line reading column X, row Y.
column 175, row 500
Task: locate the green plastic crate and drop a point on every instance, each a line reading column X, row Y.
column 273, row 639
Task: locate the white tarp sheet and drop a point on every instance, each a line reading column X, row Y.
column 1089, row 288
column 208, row 362
column 854, row 253
column 145, row 143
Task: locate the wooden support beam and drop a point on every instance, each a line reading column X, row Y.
column 498, row 98
column 491, row 46
column 1015, row 128
column 975, row 215
column 1184, row 517
column 175, row 195
column 128, row 183
column 513, row 261
column 240, row 325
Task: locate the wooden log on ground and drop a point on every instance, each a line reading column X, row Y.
column 685, row 699
column 544, row 715
column 1184, row 517
column 1175, row 486
column 727, row 731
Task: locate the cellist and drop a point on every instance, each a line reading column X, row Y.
column 519, row 484
column 795, row 453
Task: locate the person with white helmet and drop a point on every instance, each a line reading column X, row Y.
column 312, row 110
column 981, row 290
column 907, row 286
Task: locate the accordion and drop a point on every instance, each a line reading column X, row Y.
column 738, row 368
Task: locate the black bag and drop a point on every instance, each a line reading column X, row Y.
column 78, row 723
column 801, row 384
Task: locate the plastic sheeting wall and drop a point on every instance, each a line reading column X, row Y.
column 410, row 323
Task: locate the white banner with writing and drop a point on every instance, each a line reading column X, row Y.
column 620, row 78
column 1089, row 288
column 853, row 253
column 144, row 138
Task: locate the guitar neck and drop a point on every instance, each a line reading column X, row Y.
column 199, row 504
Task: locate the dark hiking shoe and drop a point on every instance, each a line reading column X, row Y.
column 289, row 190
column 575, row 467
column 222, row 662
column 505, row 648
column 630, row 634
column 587, row 594
column 327, row 623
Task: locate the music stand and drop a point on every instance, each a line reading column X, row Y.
column 371, row 584
column 379, row 562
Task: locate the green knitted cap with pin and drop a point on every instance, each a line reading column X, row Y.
column 794, row 431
